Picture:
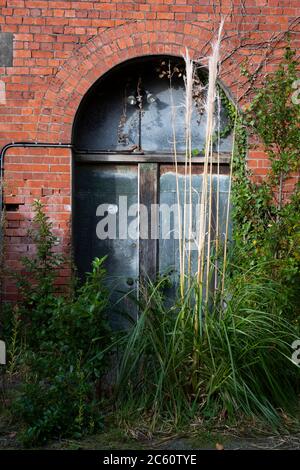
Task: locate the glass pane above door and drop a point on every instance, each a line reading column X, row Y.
column 110, row 119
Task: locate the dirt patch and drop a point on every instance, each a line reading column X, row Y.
column 118, row 440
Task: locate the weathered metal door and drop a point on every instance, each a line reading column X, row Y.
column 169, row 180
column 98, row 189
column 123, row 144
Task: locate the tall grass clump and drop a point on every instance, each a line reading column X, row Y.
column 243, row 357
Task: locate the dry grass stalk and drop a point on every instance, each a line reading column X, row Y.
column 206, row 195
column 204, row 239
column 217, row 240
column 189, row 79
column 180, row 238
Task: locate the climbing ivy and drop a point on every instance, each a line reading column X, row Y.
column 267, row 225
column 275, row 118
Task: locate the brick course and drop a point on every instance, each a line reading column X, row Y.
column 62, row 48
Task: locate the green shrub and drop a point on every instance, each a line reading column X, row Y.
column 65, row 339
column 60, row 396
column 266, row 223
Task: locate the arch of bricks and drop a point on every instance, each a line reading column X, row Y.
column 100, row 54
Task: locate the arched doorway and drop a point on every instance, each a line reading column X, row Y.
column 125, row 183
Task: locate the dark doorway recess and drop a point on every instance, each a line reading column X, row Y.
column 124, row 134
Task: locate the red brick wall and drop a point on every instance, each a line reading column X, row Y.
column 62, row 47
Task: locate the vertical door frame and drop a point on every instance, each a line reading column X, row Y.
column 148, row 239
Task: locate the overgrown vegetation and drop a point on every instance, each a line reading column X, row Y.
column 239, row 365
column 63, row 340
column 266, row 213
column 228, row 359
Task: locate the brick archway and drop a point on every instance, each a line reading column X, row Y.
column 102, row 53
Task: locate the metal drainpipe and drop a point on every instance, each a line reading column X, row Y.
column 47, row 145
column 20, row 145
column 23, row 145
column 2, row 155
